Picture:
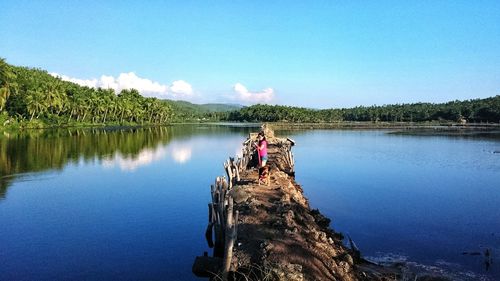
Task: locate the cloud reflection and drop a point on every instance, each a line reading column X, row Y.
column 181, row 154
column 131, row 163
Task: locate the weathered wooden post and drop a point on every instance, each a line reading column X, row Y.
column 228, row 169
column 236, row 170
column 219, row 218
column 230, row 237
column 209, row 231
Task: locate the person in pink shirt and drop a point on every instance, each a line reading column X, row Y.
column 262, row 149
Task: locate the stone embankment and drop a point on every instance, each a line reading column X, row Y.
column 269, row 232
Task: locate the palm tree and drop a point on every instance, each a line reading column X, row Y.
column 106, row 102
column 7, row 82
column 55, row 97
column 35, row 103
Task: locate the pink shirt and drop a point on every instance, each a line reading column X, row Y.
column 263, row 151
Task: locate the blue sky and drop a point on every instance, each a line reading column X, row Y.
column 307, row 53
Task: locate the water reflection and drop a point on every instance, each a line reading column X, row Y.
column 181, row 153
column 45, row 150
column 131, row 163
column 117, row 198
column 36, row 151
column 428, row 199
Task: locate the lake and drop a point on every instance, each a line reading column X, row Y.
column 131, row 204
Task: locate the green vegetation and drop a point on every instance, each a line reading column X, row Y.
column 186, row 111
column 32, row 98
column 477, row 110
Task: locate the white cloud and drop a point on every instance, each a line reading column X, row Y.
column 181, row 89
column 147, row 87
column 89, row 83
column 143, row 85
column 242, row 94
column 107, row 82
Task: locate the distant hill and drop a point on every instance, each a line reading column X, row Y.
column 221, row 107
column 202, row 108
column 185, row 111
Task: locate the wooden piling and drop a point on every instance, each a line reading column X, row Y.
column 229, row 240
column 236, row 171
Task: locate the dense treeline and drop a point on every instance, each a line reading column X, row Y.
column 33, row 95
column 477, row 110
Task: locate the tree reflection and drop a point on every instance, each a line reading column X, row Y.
column 33, row 151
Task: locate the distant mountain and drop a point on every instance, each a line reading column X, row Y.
column 221, row 107
column 187, row 111
column 185, row 106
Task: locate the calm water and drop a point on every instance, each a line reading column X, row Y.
column 115, row 205
column 132, row 204
column 424, row 199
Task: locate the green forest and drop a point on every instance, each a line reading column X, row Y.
column 32, row 98
column 476, row 111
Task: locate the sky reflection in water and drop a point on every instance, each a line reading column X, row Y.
column 133, row 204
column 103, row 205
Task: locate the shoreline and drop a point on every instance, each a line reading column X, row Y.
column 365, row 125
column 385, row 125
